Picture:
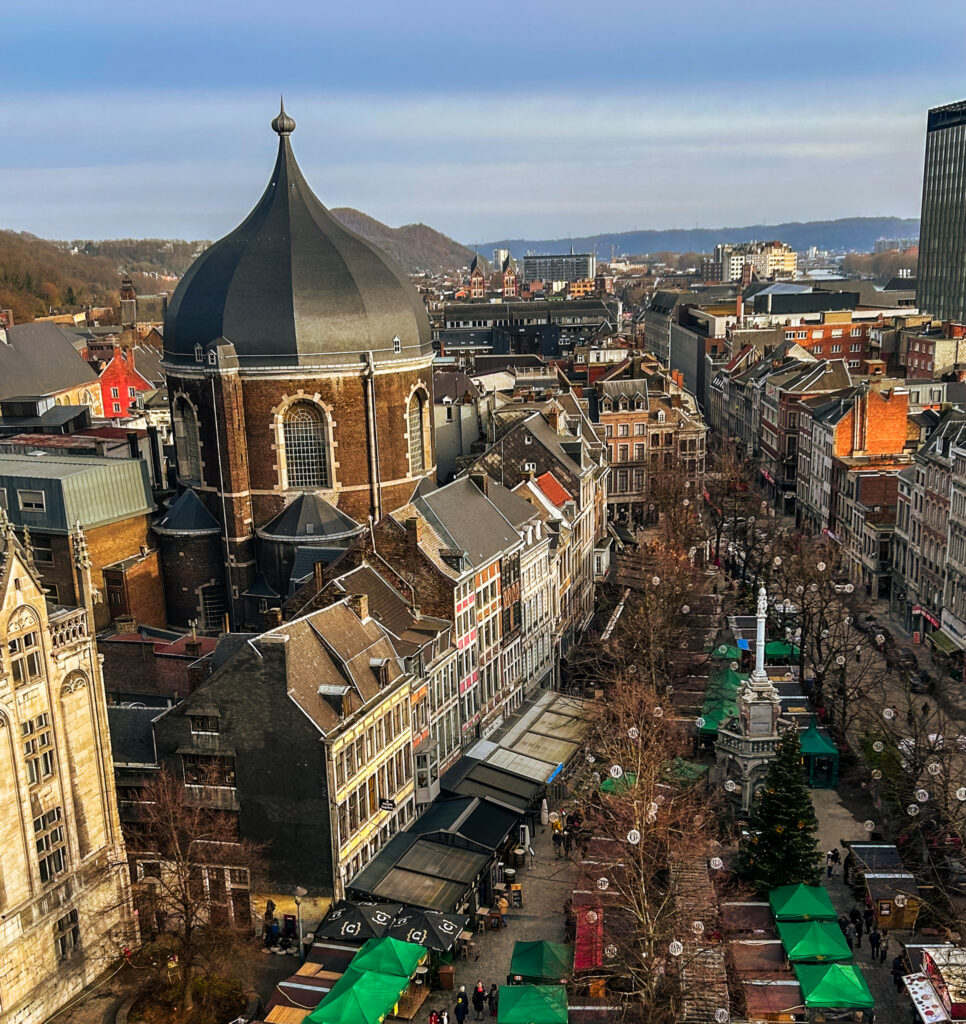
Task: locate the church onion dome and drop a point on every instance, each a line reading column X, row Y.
column 292, row 287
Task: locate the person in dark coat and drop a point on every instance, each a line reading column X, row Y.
column 897, row 972
column 884, row 949
column 462, row 1007
column 479, row 999
column 843, row 923
column 568, row 841
column 557, row 840
column 493, row 999
column 875, row 940
column 869, row 919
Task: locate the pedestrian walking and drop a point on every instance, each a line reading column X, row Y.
column 557, row 843
column 843, row 923
column 897, row 972
column 444, row 1017
column 858, row 933
column 869, row 919
column 503, row 907
column 875, row 940
column 433, row 1017
column 568, row 841
column 829, row 864
column 884, row 949
column 479, row 999
column 849, row 935
column 493, row 999
column 836, row 856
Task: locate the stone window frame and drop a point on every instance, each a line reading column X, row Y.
column 423, row 391
column 176, row 398
column 329, row 425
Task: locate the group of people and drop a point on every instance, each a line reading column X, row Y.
column 863, row 921
column 566, row 832
column 481, row 1000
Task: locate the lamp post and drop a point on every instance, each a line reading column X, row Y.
column 298, row 893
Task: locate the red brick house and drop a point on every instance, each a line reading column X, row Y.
column 120, row 383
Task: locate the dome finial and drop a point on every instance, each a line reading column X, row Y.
column 283, row 124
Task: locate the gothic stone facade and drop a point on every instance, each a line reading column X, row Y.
column 64, row 896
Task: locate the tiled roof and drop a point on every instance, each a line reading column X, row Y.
column 553, row 489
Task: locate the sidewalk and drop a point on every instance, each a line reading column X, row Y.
column 835, row 824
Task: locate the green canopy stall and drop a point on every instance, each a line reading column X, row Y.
column 360, row 997
column 834, row 987
column 389, row 956
column 719, row 701
column 821, row 757
column 611, row 785
column 540, row 963
column 532, row 1004
column 801, row 903
column 815, row 941
column 727, row 652
column 782, row 650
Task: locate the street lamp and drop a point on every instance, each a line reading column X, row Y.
column 299, row 893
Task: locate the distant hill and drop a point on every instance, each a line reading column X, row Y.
column 37, row 275
column 856, row 234
column 415, row 246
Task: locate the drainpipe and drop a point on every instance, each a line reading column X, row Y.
column 375, row 480
column 230, row 596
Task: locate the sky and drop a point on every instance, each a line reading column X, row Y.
column 485, row 121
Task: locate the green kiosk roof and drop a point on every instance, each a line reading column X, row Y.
column 814, row 744
column 781, row 649
column 817, row 941
column 360, row 997
column 834, row 986
column 611, row 785
column 389, row 956
column 728, row 652
column 532, row 1004
column 541, row 962
column 801, row 903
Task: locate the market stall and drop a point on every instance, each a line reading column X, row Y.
column 894, row 896
column 532, row 1004
column 540, row 963
column 821, row 757
column 814, row 941
column 945, row 967
column 831, row 991
column 773, row 999
column 801, row 903
column 924, row 998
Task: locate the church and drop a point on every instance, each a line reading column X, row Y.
column 299, row 369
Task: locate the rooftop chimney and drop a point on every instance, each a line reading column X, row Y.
column 414, row 531
column 481, row 480
column 359, row 603
column 553, row 418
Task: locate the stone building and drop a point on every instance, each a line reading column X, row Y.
column 299, row 362
column 64, row 894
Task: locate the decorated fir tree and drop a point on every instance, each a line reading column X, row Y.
column 780, row 847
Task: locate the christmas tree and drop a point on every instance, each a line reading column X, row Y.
column 780, row 847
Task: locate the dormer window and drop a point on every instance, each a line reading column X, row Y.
column 199, row 354
column 397, row 344
column 212, row 358
column 661, row 416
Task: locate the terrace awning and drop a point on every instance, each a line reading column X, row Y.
column 943, row 642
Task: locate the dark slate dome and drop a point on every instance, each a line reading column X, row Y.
column 291, row 286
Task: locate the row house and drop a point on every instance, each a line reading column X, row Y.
column 933, row 349
column 780, row 396
column 923, row 531
column 303, row 736
column 652, row 429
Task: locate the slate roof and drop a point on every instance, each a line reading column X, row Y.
column 309, row 519
column 461, row 512
column 40, row 359
column 147, row 362
column 453, row 385
column 132, row 737
column 187, row 515
column 293, row 286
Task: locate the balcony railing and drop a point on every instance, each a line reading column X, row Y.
column 68, row 627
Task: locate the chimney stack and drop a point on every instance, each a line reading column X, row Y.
column 553, row 418
column 359, row 603
column 414, row 531
column 481, row 480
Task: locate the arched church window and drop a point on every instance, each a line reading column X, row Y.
column 303, row 435
column 186, row 441
column 417, row 457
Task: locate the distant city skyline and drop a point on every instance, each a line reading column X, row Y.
column 543, row 123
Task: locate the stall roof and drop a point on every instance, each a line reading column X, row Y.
column 759, row 956
column 488, row 780
column 884, row 885
column 521, row 764
column 420, row 890
column 817, row 941
column 746, row 918
column 477, row 819
column 772, row 996
column 834, row 986
column 801, row 903
column 873, row 856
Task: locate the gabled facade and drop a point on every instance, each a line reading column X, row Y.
column 121, row 383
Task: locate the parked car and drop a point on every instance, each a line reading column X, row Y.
column 921, row 682
column 902, row 657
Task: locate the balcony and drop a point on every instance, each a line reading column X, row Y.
column 67, row 628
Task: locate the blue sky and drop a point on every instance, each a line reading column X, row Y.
column 485, row 121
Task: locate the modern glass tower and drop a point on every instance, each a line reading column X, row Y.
column 941, row 288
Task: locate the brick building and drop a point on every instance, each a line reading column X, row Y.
column 48, row 496
column 121, row 383
column 299, row 362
